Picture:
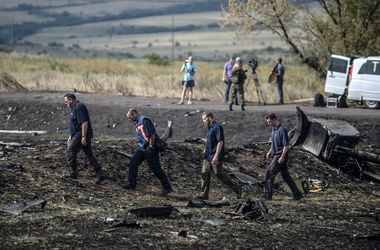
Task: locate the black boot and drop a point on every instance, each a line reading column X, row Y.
column 101, row 175
column 72, row 173
column 242, row 108
column 231, row 106
column 128, row 185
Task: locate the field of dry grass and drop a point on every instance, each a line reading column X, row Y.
column 138, row 77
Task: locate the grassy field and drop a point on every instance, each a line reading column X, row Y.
column 136, row 28
column 138, row 77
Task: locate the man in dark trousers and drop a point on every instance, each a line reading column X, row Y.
column 280, row 72
column 214, row 156
column 147, row 150
column 279, row 149
column 80, row 138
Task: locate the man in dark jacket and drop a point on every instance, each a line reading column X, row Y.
column 214, row 156
column 279, row 149
column 80, row 138
column 147, row 150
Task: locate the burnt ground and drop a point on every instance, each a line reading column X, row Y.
column 344, row 215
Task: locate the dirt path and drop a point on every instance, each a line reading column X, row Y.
column 45, row 111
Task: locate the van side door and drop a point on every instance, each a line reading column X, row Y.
column 337, row 74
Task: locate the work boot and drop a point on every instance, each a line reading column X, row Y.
column 231, row 106
column 73, row 174
column 101, row 175
column 242, row 108
column 298, row 197
column 166, row 191
column 128, row 185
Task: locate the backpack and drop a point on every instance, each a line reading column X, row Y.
column 161, row 145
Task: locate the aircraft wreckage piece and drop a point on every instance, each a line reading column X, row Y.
column 18, row 208
column 143, row 212
column 334, row 141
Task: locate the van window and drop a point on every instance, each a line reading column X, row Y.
column 338, row 65
column 370, row 68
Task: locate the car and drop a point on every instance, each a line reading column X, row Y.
column 354, row 78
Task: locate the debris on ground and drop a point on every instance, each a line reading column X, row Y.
column 164, row 211
column 254, row 210
column 18, row 208
column 199, row 203
column 335, row 141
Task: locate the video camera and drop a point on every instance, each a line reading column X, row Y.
column 253, row 64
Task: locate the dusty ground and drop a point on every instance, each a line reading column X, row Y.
column 345, row 215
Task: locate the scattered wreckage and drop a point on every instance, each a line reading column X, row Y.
column 335, row 142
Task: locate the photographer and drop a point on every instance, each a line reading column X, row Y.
column 238, row 78
column 280, row 71
column 188, row 79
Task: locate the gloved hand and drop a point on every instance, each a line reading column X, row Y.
column 149, row 149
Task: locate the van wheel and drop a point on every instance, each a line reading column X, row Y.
column 372, row 104
column 342, row 103
column 319, row 100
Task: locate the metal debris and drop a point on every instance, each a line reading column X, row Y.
column 199, row 203
column 250, row 181
column 254, row 210
column 215, row 222
column 143, row 212
column 115, row 223
column 18, row 208
column 334, row 141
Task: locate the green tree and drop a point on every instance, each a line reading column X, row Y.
column 337, row 26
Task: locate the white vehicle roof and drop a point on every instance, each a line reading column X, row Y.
column 373, row 58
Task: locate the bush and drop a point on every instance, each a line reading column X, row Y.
column 156, row 59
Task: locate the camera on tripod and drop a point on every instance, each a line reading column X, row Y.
column 253, row 64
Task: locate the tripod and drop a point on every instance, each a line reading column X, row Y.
column 259, row 92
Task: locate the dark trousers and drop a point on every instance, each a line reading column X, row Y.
column 220, row 173
column 280, row 82
column 73, row 149
column 274, row 169
column 153, row 159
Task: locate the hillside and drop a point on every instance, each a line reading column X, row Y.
column 129, row 28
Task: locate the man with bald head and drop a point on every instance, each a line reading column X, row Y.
column 147, row 150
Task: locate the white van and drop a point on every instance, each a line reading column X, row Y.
column 358, row 78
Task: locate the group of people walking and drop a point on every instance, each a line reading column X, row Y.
column 234, row 76
column 81, row 134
